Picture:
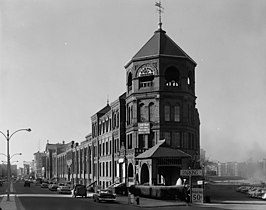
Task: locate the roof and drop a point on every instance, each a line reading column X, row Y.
column 162, row 150
column 161, row 45
column 104, row 110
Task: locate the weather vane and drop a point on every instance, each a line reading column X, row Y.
column 160, row 10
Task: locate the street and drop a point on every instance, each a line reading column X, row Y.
column 35, row 197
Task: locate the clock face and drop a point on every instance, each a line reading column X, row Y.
column 145, row 70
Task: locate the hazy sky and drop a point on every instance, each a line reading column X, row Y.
column 61, row 59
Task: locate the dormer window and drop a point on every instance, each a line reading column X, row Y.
column 172, row 77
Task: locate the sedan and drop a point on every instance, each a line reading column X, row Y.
column 53, row 187
column 44, row 185
column 104, row 195
column 64, row 190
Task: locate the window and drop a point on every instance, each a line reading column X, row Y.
column 176, row 141
column 167, row 137
column 100, row 172
column 142, row 113
column 117, row 142
column 190, row 80
column 129, row 138
column 146, row 76
column 118, row 119
column 107, row 124
column 166, row 112
column 100, row 128
column 128, row 115
column 114, row 121
column 114, row 145
column 110, row 169
column 103, row 169
column 151, row 112
column 100, row 149
column 131, row 114
column 177, row 113
column 129, row 82
column 115, row 168
column 185, row 141
column 106, row 174
column 172, row 77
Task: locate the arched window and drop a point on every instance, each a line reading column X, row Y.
column 142, row 113
column 151, row 112
column 177, row 117
column 172, row 77
column 114, row 121
column 145, row 76
column 190, row 79
column 167, row 112
column 107, row 124
column 129, row 82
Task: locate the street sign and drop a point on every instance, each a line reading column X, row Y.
column 191, row 172
column 197, row 195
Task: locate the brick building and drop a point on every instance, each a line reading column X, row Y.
column 148, row 134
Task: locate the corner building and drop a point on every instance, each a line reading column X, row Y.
column 154, row 133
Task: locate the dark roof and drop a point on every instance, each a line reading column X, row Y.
column 162, row 150
column 161, row 45
column 104, row 110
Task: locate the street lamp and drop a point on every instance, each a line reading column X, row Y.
column 8, row 137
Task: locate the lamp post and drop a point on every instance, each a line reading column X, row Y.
column 8, row 137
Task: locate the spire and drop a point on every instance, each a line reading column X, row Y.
column 107, row 99
column 160, row 10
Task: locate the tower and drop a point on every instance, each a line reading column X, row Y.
column 160, row 98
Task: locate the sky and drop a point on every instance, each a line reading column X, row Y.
column 61, row 60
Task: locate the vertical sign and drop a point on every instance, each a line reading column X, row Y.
column 197, row 195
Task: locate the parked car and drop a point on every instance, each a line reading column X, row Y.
column 27, row 183
column 79, row 190
column 104, row 195
column 64, row 189
column 44, row 185
column 119, row 188
column 53, row 187
column 259, row 193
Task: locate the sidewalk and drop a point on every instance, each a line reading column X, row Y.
column 8, row 205
column 11, row 204
column 148, row 202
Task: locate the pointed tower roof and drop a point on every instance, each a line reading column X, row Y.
column 160, row 45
